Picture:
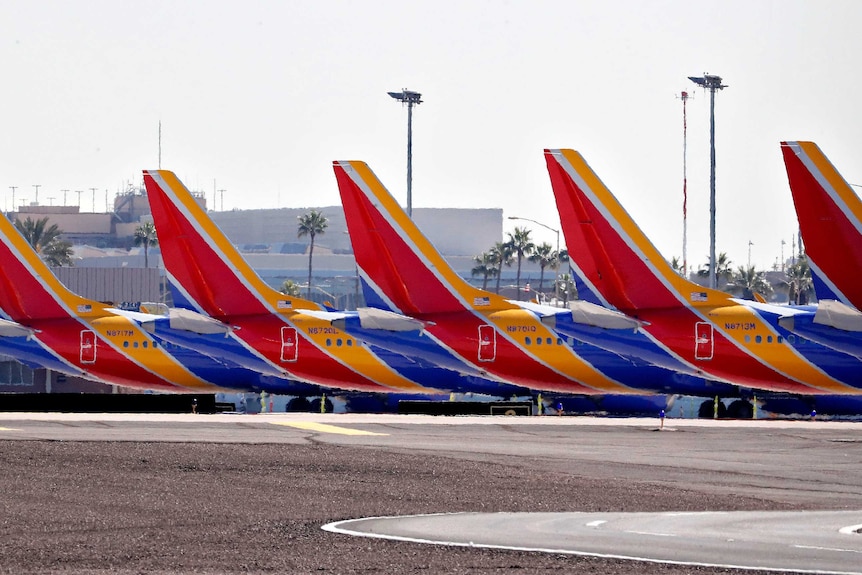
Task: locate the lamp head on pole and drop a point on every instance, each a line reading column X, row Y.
column 406, row 97
column 708, row 81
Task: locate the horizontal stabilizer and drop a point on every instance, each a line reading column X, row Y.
column 584, row 313
column 835, row 314
column 180, row 319
column 12, row 329
column 599, row 316
column 371, row 318
column 189, row 320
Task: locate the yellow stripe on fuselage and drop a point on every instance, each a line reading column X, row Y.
column 350, row 352
column 324, row 428
column 517, row 325
column 743, row 325
column 128, row 338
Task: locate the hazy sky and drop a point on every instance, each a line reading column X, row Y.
column 260, row 97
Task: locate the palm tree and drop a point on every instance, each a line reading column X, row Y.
column 545, row 256
column 502, row 255
column 46, row 241
column 485, row 267
column 290, row 287
column 58, row 253
column 522, row 247
column 145, row 235
column 749, row 282
column 311, row 224
column 722, row 268
column 799, row 281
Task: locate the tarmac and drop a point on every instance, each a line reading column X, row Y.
column 229, row 493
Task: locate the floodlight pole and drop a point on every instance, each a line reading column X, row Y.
column 711, row 83
column 410, row 99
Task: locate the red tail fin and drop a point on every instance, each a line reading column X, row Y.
column 28, row 289
column 394, row 254
column 200, row 257
column 607, row 248
column 830, row 219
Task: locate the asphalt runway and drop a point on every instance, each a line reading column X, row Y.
column 232, row 493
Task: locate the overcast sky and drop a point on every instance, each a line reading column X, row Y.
column 258, row 98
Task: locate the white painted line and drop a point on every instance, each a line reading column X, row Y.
column 336, row 527
column 827, row 548
column 651, row 533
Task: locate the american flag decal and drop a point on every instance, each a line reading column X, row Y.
column 698, row 296
column 481, row 301
column 85, row 308
column 285, row 304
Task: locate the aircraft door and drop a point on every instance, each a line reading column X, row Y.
column 88, row 346
column 289, row 344
column 703, row 340
column 487, row 343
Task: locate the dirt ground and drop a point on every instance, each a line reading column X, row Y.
column 104, row 507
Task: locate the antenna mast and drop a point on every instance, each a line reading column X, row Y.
column 684, row 97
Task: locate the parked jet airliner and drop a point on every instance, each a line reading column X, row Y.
column 725, row 337
column 292, row 333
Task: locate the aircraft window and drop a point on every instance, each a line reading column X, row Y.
column 780, row 339
column 135, row 344
column 328, row 342
column 528, row 341
column 146, row 344
column 559, row 341
column 758, row 339
column 538, row 341
column 549, row 341
column 125, row 344
column 747, row 338
column 768, row 339
column 571, row 341
column 349, row 343
column 791, row 339
column 338, row 342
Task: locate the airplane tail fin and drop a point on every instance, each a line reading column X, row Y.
column 214, row 277
column 830, row 220
column 608, row 251
column 405, row 270
column 28, row 288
